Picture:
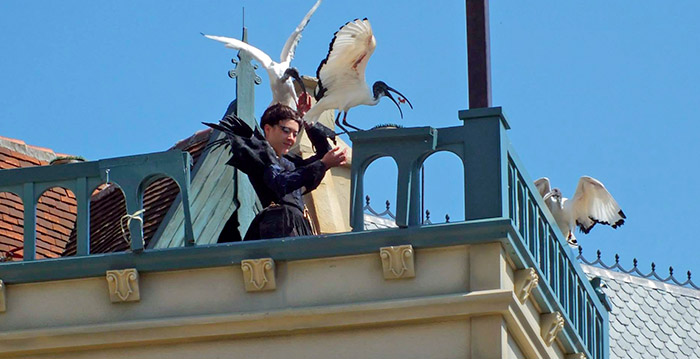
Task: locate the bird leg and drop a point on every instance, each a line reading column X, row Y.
column 345, row 122
column 337, row 123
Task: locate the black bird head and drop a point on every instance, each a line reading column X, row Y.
column 294, row 73
column 380, row 89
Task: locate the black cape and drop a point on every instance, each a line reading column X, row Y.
column 278, row 181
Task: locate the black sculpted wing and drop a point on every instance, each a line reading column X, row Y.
column 251, row 153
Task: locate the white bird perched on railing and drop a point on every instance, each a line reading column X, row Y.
column 280, row 73
column 341, row 75
column 591, row 204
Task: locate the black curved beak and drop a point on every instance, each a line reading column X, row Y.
column 294, row 73
column 548, row 196
column 401, row 98
column 388, row 94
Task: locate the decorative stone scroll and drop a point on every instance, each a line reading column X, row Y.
column 3, row 300
column 576, row 356
column 398, row 261
column 525, row 281
column 258, row 274
column 552, row 324
column 123, row 285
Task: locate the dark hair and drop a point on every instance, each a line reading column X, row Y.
column 279, row 112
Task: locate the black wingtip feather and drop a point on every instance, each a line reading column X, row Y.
column 585, row 229
column 619, row 223
column 320, row 89
column 614, row 225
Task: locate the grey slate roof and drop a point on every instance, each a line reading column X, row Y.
column 375, row 222
column 649, row 318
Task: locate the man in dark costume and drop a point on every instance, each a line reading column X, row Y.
column 277, row 176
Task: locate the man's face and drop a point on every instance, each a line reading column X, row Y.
column 282, row 136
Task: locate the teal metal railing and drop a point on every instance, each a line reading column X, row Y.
column 561, row 273
column 500, row 203
column 496, row 186
column 131, row 174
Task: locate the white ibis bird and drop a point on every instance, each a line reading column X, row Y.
column 341, row 75
column 591, row 204
column 280, row 73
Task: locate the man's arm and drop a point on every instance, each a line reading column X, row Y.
column 283, row 181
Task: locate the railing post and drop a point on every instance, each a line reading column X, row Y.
column 403, row 192
column 82, row 223
column 408, row 193
column 29, row 202
column 408, row 147
column 485, row 163
column 357, row 189
column 184, row 184
column 133, row 205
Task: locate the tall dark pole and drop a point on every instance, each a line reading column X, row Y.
column 478, row 53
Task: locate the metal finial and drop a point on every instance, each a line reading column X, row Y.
column 670, row 270
column 688, row 275
column 653, row 266
column 580, row 250
column 427, row 215
column 634, row 261
column 447, row 218
column 387, row 204
column 598, row 253
column 617, row 258
column 367, row 200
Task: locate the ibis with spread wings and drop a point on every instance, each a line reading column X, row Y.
column 280, row 73
column 341, row 75
column 591, row 204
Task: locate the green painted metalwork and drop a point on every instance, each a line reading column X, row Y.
column 500, row 230
column 225, row 254
column 496, row 186
column 501, row 204
column 132, row 174
column 408, row 147
column 480, row 144
column 246, row 79
column 211, row 178
column 586, row 312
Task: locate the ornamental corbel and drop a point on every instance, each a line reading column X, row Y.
column 258, row 274
column 123, row 285
column 552, row 324
column 525, row 281
column 398, row 261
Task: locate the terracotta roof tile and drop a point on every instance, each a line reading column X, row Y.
column 108, row 206
column 56, row 209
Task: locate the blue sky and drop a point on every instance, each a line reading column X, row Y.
column 606, row 89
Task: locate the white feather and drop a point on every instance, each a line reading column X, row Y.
column 290, row 46
column 282, row 90
column 342, row 73
column 591, row 204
